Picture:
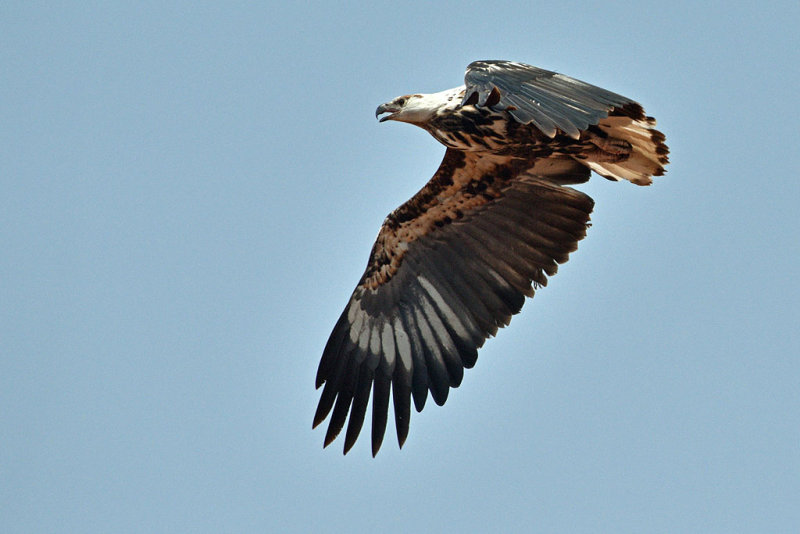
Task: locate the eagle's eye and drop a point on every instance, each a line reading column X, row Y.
column 401, row 101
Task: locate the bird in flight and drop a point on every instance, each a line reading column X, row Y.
column 456, row 261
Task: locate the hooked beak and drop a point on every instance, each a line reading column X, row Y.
column 386, row 108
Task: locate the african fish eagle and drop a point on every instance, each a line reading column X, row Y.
column 454, row 263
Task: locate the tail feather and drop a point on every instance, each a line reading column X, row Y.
column 646, row 156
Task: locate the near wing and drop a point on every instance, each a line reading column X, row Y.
column 549, row 100
column 449, row 268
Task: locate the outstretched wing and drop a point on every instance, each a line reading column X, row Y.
column 449, row 267
column 549, row 100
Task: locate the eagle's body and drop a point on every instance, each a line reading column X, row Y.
column 454, row 263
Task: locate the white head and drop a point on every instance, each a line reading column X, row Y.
column 418, row 108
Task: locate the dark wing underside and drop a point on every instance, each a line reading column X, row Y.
column 549, row 100
column 441, row 279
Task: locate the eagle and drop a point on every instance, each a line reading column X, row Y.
column 455, row 262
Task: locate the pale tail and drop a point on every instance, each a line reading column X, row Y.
column 647, row 152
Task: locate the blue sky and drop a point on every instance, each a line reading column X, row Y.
column 190, row 192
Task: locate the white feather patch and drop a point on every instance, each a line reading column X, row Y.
column 357, row 322
column 403, row 346
column 387, row 341
column 451, row 317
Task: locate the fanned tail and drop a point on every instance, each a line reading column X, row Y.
column 630, row 147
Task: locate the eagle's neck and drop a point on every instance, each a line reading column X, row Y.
column 466, row 127
column 447, row 101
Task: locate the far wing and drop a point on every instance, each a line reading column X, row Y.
column 549, row 100
column 449, row 267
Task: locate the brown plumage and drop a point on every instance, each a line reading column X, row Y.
column 455, row 262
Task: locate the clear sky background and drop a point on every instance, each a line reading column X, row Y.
column 189, row 192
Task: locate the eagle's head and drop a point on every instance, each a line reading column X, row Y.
column 415, row 109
